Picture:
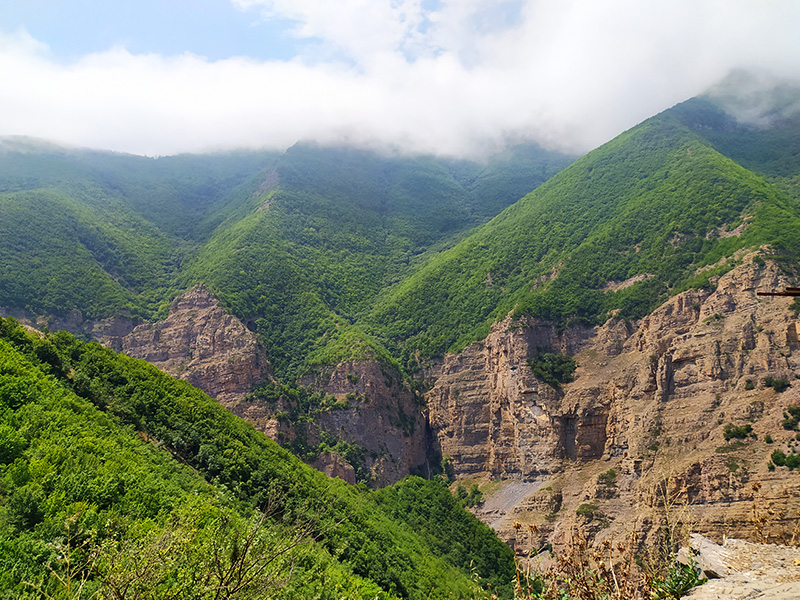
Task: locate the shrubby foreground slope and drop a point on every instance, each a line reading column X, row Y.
column 105, row 459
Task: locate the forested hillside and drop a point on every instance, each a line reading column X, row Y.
column 296, row 244
column 102, row 233
column 106, row 464
column 659, row 207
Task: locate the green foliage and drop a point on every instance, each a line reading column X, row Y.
column 680, row 579
column 795, row 307
column 587, row 509
column 791, row 417
column 471, row 497
column 657, row 208
column 779, row 384
column 608, row 478
column 299, row 249
column 553, row 368
column 310, row 254
column 101, row 233
column 781, row 459
column 429, row 508
column 118, row 442
column 731, row 431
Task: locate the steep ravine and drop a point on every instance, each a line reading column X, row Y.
column 649, row 403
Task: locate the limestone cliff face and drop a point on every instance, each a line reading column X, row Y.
column 108, row 332
column 213, row 350
column 204, row 345
column 490, row 415
column 384, row 417
column 650, row 401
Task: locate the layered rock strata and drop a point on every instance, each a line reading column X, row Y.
column 650, row 402
column 203, row 344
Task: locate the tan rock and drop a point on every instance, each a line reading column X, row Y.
column 203, row 344
column 382, row 416
column 334, row 465
column 650, row 400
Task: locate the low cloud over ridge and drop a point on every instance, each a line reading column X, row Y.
column 459, row 78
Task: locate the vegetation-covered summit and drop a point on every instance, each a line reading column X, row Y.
column 298, row 245
column 652, row 212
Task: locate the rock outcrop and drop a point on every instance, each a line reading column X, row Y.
column 650, row 402
column 108, row 332
column 738, row 569
column 203, row 344
column 213, row 350
column 383, row 417
column 490, row 415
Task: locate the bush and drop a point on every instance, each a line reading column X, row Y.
column 679, row 580
column 608, row 478
column 553, row 368
column 779, row 384
column 470, row 498
column 586, row 510
column 791, row 418
column 780, row 459
column 735, row 431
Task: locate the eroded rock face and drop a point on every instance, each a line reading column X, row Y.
column 334, row 465
column 650, row 401
column 490, row 415
column 213, row 350
column 204, row 345
column 108, row 332
column 384, row 418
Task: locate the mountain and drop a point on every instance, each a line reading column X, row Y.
column 615, row 233
column 104, row 234
column 296, row 245
column 327, row 229
column 590, row 356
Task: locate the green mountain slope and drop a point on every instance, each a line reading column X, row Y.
column 298, row 245
column 305, row 255
column 105, row 460
column 102, row 233
column 658, row 203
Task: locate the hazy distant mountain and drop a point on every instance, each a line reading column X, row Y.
column 294, row 242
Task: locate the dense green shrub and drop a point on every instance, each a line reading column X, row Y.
column 781, row 459
column 471, row 497
column 779, row 384
column 791, row 417
column 553, row 368
column 731, row 431
column 608, row 478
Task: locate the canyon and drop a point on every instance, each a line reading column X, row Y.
column 641, row 427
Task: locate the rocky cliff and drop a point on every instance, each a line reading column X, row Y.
column 644, row 422
column 203, row 344
column 382, row 416
column 648, row 411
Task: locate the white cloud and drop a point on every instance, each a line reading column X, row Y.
column 459, row 78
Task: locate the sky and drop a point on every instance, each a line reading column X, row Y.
column 447, row 77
